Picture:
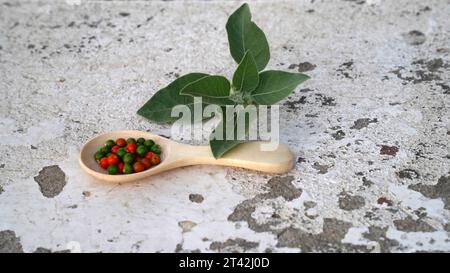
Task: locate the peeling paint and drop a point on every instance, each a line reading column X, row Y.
column 328, row 240
column 408, row 173
column 415, row 37
column 415, row 200
column 322, row 168
column 440, row 190
column 378, row 234
column 196, row 198
column 410, row 225
column 233, row 245
column 363, row 123
column 383, row 84
column 278, row 187
column 388, row 150
column 303, row 67
column 350, row 202
column 51, row 180
column 9, row 243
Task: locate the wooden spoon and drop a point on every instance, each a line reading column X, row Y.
column 247, row 155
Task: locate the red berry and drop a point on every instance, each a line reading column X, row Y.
column 155, row 159
column 113, row 159
column 147, row 162
column 131, row 148
column 115, row 148
column 121, row 142
column 149, row 155
column 120, row 167
column 138, row 167
column 104, row 163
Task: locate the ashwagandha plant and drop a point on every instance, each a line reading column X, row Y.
column 249, row 85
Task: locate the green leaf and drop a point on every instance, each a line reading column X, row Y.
column 159, row 107
column 212, row 89
column 221, row 147
column 246, row 78
column 245, row 35
column 275, row 86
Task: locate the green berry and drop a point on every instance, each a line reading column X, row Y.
column 113, row 169
column 98, row 155
column 104, row 149
column 109, row 143
column 121, row 152
column 131, row 140
column 127, row 168
column 149, row 143
column 156, row 149
column 128, row 158
column 140, row 140
column 141, row 150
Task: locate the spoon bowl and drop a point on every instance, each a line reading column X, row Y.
column 174, row 155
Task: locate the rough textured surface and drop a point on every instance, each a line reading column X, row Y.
column 45, row 250
column 370, row 130
column 51, row 181
column 412, row 225
column 329, row 240
column 9, row 243
column 440, row 190
column 197, row 198
column 233, row 245
column 350, row 202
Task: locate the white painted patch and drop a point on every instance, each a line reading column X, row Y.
column 415, row 200
column 46, row 130
column 420, row 241
column 263, row 212
column 432, row 26
column 373, row 2
column 354, row 236
column 312, row 212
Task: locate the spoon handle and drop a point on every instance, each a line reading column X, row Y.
column 248, row 155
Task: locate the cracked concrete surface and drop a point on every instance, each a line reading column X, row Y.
column 370, row 130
